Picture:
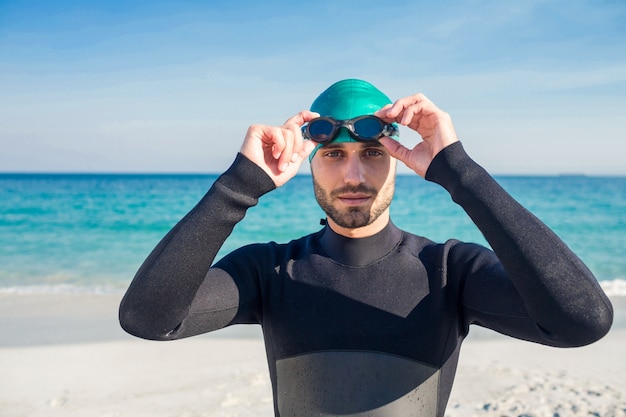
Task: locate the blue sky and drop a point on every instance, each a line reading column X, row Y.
column 534, row 87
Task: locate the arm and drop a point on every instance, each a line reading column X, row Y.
column 534, row 270
column 161, row 295
column 537, row 288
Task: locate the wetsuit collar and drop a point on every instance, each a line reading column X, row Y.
column 362, row 251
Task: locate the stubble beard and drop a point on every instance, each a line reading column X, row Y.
column 358, row 216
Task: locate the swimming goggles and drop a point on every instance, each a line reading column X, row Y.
column 362, row 128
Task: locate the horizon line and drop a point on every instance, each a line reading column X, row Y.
column 217, row 173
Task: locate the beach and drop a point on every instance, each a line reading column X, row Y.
column 65, row 355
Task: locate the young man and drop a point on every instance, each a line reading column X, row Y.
column 361, row 318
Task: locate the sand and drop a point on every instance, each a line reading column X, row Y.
column 65, row 355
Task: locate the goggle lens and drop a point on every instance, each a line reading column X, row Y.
column 368, row 128
column 320, row 130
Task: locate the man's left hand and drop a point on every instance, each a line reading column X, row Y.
column 433, row 124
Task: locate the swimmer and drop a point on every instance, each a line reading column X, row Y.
column 362, row 318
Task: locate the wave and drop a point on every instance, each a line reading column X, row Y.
column 613, row 288
column 61, row 289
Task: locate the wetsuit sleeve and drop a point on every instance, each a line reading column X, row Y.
column 161, row 295
column 534, row 287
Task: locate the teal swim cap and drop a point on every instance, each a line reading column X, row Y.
column 345, row 100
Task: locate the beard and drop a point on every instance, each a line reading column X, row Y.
column 358, row 216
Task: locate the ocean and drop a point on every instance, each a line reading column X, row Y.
column 89, row 233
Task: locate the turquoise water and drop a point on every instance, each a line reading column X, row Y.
column 90, row 233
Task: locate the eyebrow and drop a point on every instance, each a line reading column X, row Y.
column 368, row 144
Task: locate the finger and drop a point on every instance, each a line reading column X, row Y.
column 277, row 141
column 286, row 155
column 399, row 107
column 396, row 149
column 428, row 108
column 382, row 112
column 410, row 114
column 297, row 140
column 307, row 148
column 303, row 117
column 301, row 148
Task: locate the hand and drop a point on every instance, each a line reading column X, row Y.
column 279, row 150
column 434, row 126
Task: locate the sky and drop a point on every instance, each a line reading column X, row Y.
column 533, row 87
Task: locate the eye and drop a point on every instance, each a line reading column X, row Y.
column 373, row 152
column 333, row 153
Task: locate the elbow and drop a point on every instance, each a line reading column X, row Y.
column 139, row 325
column 129, row 326
column 588, row 328
column 599, row 325
column 134, row 327
column 597, row 322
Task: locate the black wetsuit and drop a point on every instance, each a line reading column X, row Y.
column 372, row 326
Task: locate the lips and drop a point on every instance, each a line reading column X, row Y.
column 354, row 199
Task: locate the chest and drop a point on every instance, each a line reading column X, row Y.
column 317, row 304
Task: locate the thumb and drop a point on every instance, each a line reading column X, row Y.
column 396, row 149
column 307, row 148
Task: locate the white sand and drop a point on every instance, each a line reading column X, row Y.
column 55, row 363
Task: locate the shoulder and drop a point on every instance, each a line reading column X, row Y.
column 452, row 251
column 273, row 250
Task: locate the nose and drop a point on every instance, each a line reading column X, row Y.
column 353, row 170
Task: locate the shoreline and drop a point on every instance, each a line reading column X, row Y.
column 52, row 319
column 65, row 355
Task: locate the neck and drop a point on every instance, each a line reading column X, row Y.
column 359, row 252
column 360, row 232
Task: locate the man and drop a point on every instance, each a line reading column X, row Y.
column 361, row 318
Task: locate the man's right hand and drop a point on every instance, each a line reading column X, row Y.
column 279, row 150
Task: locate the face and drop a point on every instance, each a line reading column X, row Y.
column 354, row 183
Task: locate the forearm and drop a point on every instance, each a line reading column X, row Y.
column 161, row 293
column 560, row 293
